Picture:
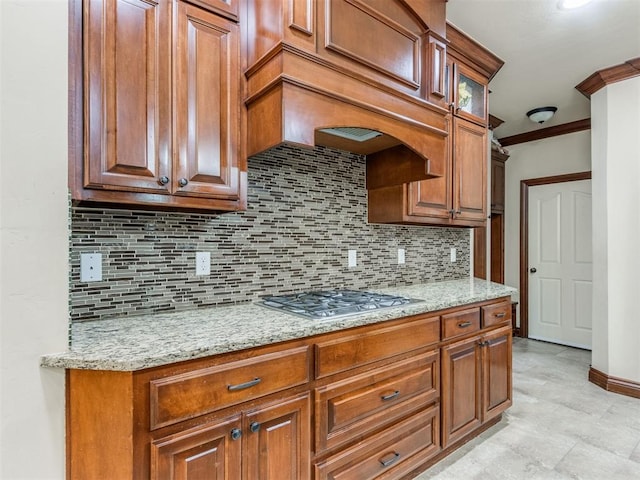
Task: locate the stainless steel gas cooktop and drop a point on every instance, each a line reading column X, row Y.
column 330, row 304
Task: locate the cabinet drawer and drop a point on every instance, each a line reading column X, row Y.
column 460, row 323
column 496, row 314
column 387, row 455
column 361, row 404
column 190, row 394
column 350, row 352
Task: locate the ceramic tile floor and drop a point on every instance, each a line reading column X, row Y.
column 559, row 427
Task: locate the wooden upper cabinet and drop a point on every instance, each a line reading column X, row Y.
column 127, row 95
column 498, row 181
column 159, row 105
column 469, row 171
column 206, row 109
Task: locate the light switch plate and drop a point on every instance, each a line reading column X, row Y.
column 400, row 256
column 203, row 263
column 352, row 258
column 90, row 267
column 453, row 254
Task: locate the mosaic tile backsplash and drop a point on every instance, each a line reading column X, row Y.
column 306, row 208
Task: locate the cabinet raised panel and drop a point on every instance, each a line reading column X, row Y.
column 470, row 171
column 203, row 453
column 207, row 99
column 127, row 95
column 278, row 441
column 497, row 361
column 461, row 389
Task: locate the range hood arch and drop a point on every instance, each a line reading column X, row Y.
column 314, row 73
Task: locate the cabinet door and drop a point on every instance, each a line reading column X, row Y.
column 461, row 389
column 207, row 105
column 278, row 441
column 497, row 185
column 432, row 198
column 209, row 452
column 127, row 95
column 469, row 172
column 496, row 371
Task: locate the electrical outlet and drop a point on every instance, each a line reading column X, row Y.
column 90, row 267
column 453, row 254
column 203, row 263
column 400, row 256
column 352, row 258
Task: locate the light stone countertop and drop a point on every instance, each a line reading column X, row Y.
column 136, row 343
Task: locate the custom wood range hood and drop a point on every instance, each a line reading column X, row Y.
column 328, row 72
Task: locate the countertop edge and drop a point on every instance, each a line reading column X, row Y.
column 96, row 360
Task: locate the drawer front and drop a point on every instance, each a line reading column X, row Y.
column 387, row 455
column 460, row 323
column 205, row 390
column 496, row 314
column 354, row 407
column 339, row 355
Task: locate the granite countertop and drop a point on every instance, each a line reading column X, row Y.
column 136, row 343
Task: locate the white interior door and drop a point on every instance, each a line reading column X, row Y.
column 560, row 264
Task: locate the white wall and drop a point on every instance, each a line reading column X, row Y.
column 552, row 156
column 33, row 235
column 615, row 113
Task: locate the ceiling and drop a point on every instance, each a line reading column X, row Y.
column 547, row 52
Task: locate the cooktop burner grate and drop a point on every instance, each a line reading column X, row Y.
column 332, row 303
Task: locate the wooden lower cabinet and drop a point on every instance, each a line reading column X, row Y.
column 372, row 402
column 389, row 454
column 270, row 442
column 278, row 441
column 210, row 452
column 476, row 382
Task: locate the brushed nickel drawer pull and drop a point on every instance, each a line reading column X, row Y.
column 390, row 461
column 464, row 324
column 500, row 315
column 391, row 396
column 242, row 386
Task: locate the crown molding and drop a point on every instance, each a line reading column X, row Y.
column 607, row 76
column 565, row 128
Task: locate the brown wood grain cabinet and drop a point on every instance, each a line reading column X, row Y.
column 161, row 105
column 458, row 197
column 382, row 401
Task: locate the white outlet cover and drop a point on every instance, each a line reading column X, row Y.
column 90, row 267
column 203, row 263
column 400, row 256
column 453, row 254
column 352, row 258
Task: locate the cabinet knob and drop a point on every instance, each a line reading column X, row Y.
column 163, row 180
column 254, row 427
column 183, row 182
column 236, row 433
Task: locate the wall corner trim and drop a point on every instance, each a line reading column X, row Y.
column 614, row 384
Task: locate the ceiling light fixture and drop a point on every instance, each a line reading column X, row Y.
column 542, row 114
column 571, row 4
